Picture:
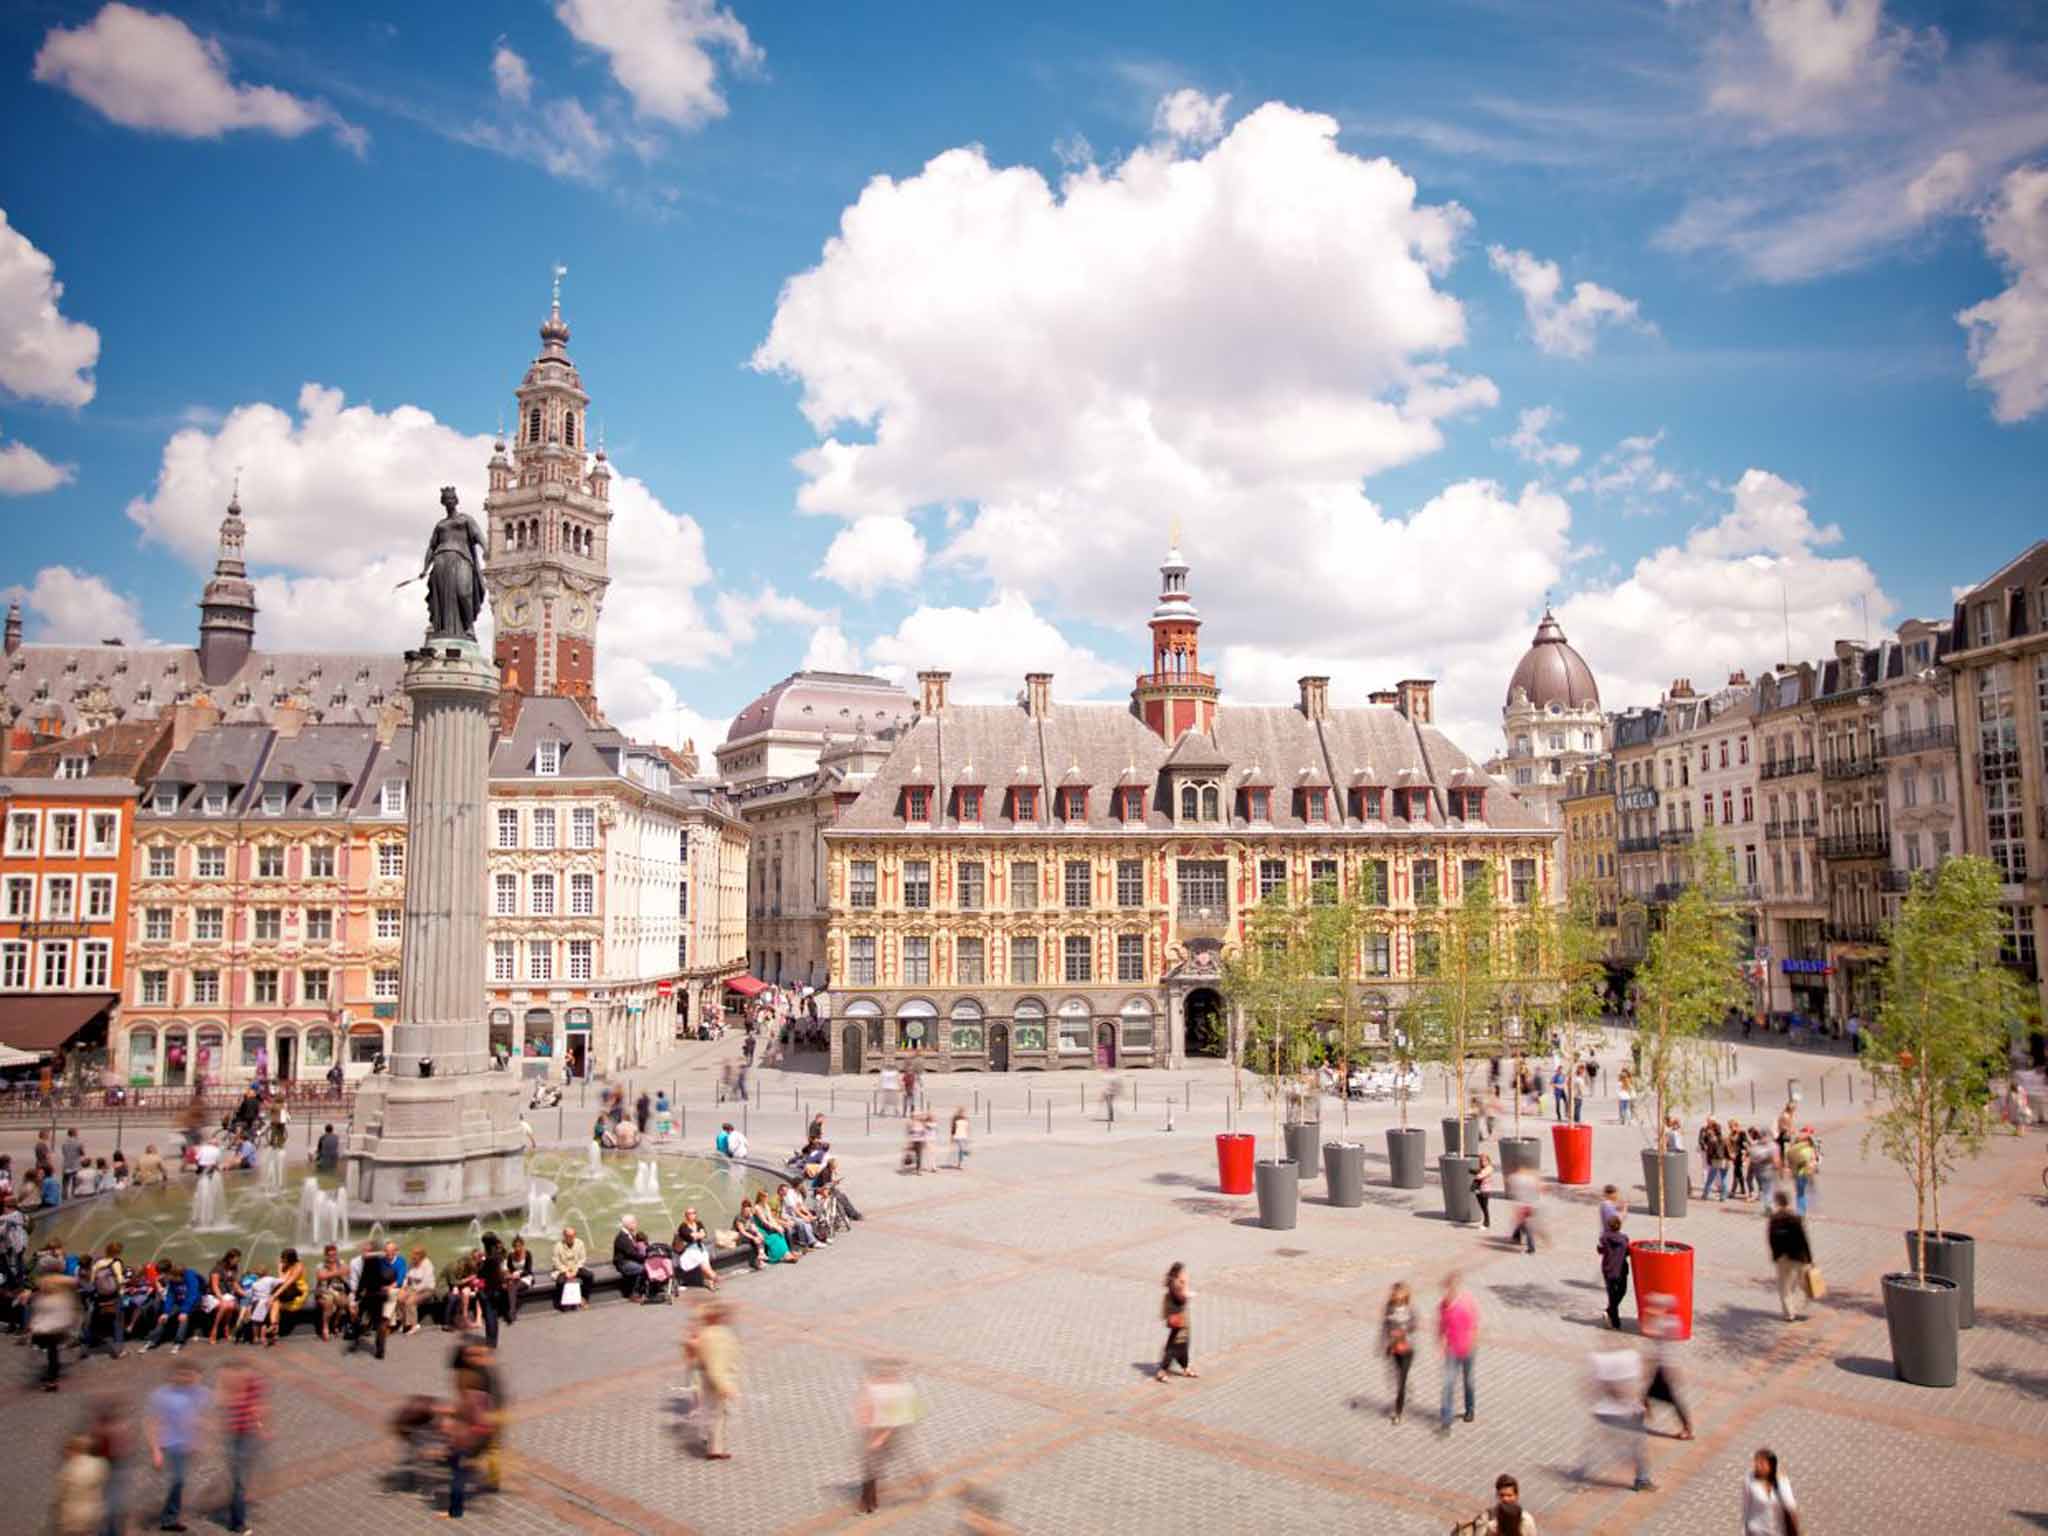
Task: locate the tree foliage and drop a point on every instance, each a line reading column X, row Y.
column 1457, row 1001
column 1273, row 985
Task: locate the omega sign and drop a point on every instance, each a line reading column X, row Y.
column 1641, row 798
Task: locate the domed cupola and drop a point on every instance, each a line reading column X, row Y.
column 1552, row 674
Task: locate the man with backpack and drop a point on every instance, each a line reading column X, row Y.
column 108, row 1280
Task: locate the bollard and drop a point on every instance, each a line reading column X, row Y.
column 1048, row 1117
column 118, row 1116
column 683, row 1121
column 1823, row 1091
column 561, row 1131
column 743, row 1120
column 1752, row 1098
column 1852, row 1085
column 977, row 1099
column 1190, row 1085
column 871, row 1119
column 1712, row 1107
column 990, row 1122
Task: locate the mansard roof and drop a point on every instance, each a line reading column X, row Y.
column 71, row 686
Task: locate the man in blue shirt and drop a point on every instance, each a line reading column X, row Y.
column 53, row 1192
column 176, row 1411
column 181, row 1305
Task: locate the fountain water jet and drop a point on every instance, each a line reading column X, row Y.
column 540, row 1209
column 209, row 1204
column 646, row 1184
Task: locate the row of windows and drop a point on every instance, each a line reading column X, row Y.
column 578, row 959
column 63, row 834
column 56, row 965
column 1201, row 800
column 542, row 892
column 314, row 925
column 970, row 956
column 919, row 1027
column 210, row 861
column 186, row 1053
column 274, row 799
column 1202, row 883
column 542, row 825
column 269, row 986
column 65, row 898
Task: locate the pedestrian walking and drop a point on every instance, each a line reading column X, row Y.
column 1557, row 1089
column 53, row 1316
column 1768, row 1508
column 1792, row 1256
column 643, row 1111
column 1578, row 1084
column 714, row 1352
column 466, row 1429
column 1660, row 1322
column 1524, row 1189
column 887, row 1412
column 1803, row 1163
column 962, row 1130
column 1482, row 1171
column 1613, row 1250
column 1616, row 1384
column 1173, row 1310
column 1457, row 1327
column 113, row 1442
column 1624, row 1096
column 1738, row 1158
column 1715, row 1156
column 1764, row 1166
column 1397, row 1342
column 373, row 1285
column 78, row 1504
column 176, row 1411
column 243, row 1397
column 1506, row 1517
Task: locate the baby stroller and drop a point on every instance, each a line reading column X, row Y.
column 661, row 1273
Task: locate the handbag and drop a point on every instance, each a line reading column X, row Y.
column 1816, row 1282
column 572, row 1293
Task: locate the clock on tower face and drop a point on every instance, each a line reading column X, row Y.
column 517, row 608
column 579, row 616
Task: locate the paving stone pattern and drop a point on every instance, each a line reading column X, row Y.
column 1023, row 1297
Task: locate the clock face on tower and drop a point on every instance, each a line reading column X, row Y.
column 579, row 616
column 517, row 608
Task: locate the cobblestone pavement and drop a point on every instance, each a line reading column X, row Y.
column 1023, row 1295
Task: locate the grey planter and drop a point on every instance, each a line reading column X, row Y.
column 1455, row 1174
column 1302, row 1148
column 1279, row 1188
column 1920, row 1316
column 1672, row 1190
column 1952, row 1256
column 1405, row 1151
column 1520, row 1152
column 1344, row 1172
column 1471, row 1144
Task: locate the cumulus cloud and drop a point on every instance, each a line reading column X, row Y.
column 1631, row 471
column 1720, row 600
column 67, row 607
column 989, row 649
column 661, row 52
column 152, row 72
column 873, row 553
column 831, row 650
column 648, row 707
column 1532, row 444
column 743, row 614
column 1189, row 117
column 509, row 72
column 24, row 472
column 1561, row 326
column 1798, row 59
column 43, row 356
column 2008, row 333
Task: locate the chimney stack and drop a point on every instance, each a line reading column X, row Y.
column 1038, row 694
column 931, row 688
column 1383, row 696
column 1315, row 697
column 189, row 720
column 1414, row 698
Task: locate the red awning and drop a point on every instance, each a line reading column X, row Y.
column 746, row 986
column 46, row 1023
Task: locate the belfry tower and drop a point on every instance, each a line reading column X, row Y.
column 227, row 608
column 548, row 523
column 1176, row 696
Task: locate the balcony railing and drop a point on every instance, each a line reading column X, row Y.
column 1746, row 893
column 1784, row 767
column 1854, row 845
column 1854, row 766
column 1803, row 954
column 1637, row 845
column 1203, row 919
column 1675, row 837
column 1896, row 881
column 1854, row 933
column 1936, row 738
column 1667, row 891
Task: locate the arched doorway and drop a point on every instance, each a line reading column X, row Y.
column 999, row 1047
column 1105, row 1045
column 285, row 1066
column 1207, row 1023
column 849, row 1048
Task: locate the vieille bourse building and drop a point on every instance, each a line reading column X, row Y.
column 1043, row 885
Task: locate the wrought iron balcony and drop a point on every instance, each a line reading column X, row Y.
column 1675, row 837
column 1637, row 845
column 1897, row 881
column 1854, row 933
column 1935, row 738
column 1850, row 766
column 1855, row 845
column 1784, row 767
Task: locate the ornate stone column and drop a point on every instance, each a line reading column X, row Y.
column 438, row 1135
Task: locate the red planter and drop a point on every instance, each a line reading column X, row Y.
column 1234, row 1152
column 1572, row 1146
column 1663, row 1281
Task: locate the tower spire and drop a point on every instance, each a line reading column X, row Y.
column 1176, row 696
column 227, row 608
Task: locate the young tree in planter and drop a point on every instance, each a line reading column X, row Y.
column 1271, row 982
column 1574, row 952
column 1691, row 975
column 1948, row 1003
column 1337, row 923
column 1458, row 995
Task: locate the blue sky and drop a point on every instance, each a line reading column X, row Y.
column 1281, row 278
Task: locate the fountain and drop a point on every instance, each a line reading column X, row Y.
column 596, row 1157
column 474, row 1236
column 646, row 1184
column 540, row 1209
column 306, row 1229
column 209, row 1204
column 273, row 1170
column 376, row 1235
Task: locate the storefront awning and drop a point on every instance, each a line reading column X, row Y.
column 746, row 986
column 47, row 1023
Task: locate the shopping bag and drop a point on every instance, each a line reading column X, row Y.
column 572, row 1293
column 1816, row 1282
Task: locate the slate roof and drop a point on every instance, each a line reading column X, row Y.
column 73, row 684
column 1104, row 746
column 250, row 758
column 840, row 702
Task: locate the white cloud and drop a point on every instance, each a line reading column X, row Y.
column 1721, row 600
column 1530, row 442
column 43, row 356
column 574, row 145
column 1563, row 327
column 68, row 607
column 989, row 649
column 1941, row 187
column 741, row 615
column 1630, row 470
column 153, row 72
column 1799, row 59
column 660, row 51
column 873, row 553
column 24, row 472
column 508, row 70
column 1188, row 117
column 647, row 706
column 2009, row 332
column 831, row 650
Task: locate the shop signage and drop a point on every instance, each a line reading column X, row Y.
column 1807, row 967
column 1641, row 798
column 56, row 930
column 384, row 1010
column 664, row 987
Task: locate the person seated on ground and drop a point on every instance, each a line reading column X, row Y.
column 121, row 1175
column 465, row 1291
column 184, row 1298
column 694, row 1252
column 625, row 1136
column 749, row 1235
column 330, row 1291
column 629, row 1256
column 327, row 1151
column 419, row 1287
column 796, row 1218
column 223, row 1292
column 293, row 1290
column 149, row 1168
column 774, row 1240
column 731, row 1143
column 244, row 1153
column 518, row 1276
column 570, row 1261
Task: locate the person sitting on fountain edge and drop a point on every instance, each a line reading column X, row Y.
column 327, row 1154
column 629, row 1256
column 571, row 1262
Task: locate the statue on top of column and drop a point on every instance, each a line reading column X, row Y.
column 453, row 572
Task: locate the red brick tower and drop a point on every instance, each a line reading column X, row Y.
column 1176, row 696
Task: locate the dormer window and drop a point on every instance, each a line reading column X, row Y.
column 1369, row 804
column 917, row 803
column 1258, row 805
column 1024, row 802
column 1072, row 805
column 73, row 767
column 391, row 799
column 1131, row 804
column 273, row 799
column 1200, row 800
column 215, row 801
column 967, row 803
column 1411, row 804
column 325, row 798
column 1315, row 804
column 547, row 758
column 165, row 801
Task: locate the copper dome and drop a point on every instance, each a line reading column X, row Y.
column 1552, row 673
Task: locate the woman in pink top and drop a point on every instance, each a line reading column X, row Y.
column 1457, row 1324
